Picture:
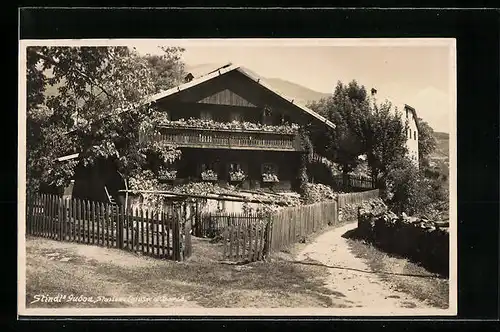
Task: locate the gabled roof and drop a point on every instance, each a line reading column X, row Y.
column 413, row 111
column 213, row 73
column 229, row 68
column 395, row 103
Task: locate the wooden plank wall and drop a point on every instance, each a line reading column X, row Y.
column 289, row 225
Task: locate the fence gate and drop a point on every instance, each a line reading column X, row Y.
column 245, row 238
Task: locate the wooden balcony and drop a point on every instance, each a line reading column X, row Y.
column 229, row 139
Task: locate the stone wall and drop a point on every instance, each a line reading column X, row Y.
column 423, row 241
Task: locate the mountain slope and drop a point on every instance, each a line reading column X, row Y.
column 296, row 91
column 299, row 93
column 442, row 146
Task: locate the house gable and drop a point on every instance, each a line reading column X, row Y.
column 226, row 97
column 234, row 86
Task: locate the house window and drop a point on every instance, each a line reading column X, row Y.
column 207, row 166
column 269, row 172
column 269, row 168
column 236, row 116
column 267, row 116
column 407, row 114
column 415, row 134
column 205, row 115
column 236, row 172
column 208, row 171
column 285, row 118
column 233, row 167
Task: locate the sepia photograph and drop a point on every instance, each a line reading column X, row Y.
column 240, row 177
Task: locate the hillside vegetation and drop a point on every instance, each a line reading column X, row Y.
column 442, row 146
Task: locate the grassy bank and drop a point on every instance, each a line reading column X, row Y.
column 66, row 268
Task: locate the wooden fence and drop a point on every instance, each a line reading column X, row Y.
column 356, row 198
column 95, row 223
column 251, row 237
column 350, row 182
column 245, row 238
column 291, row 224
column 345, row 182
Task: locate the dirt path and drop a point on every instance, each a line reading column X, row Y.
column 351, row 276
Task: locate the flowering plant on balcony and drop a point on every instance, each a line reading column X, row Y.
column 167, row 174
column 269, row 177
column 237, row 175
column 209, row 175
column 234, row 125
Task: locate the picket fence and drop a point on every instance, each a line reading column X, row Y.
column 252, row 237
column 95, row 223
column 289, row 225
column 352, row 182
column 244, row 236
column 356, row 198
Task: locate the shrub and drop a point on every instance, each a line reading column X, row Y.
column 313, row 193
column 406, row 190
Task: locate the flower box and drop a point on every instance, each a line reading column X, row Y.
column 166, row 175
column 237, row 176
column 268, row 177
column 231, row 126
column 209, row 175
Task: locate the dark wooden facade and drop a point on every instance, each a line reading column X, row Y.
column 234, row 97
column 226, row 98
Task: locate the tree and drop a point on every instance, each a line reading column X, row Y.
column 100, row 102
column 408, row 189
column 168, row 69
column 383, row 135
column 363, row 126
column 342, row 145
column 405, row 189
column 426, row 141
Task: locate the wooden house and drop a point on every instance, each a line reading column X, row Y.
column 231, row 127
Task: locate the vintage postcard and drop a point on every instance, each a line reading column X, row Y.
column 237, row 177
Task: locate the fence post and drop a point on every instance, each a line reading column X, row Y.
column 267, row 236
column 28, row 222
column 60, row 219
column 119, row 234
column 187, row 239
column 337, row 208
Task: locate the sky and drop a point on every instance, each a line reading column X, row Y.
column 417, row 74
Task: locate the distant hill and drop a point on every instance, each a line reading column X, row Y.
column 442, row 146
column 296, row 91
column 292, row 90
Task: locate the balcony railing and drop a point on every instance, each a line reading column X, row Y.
column 229, row 139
